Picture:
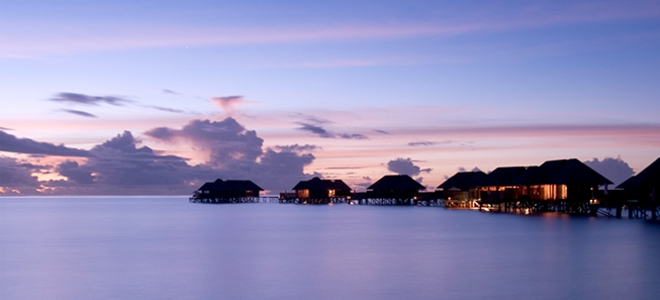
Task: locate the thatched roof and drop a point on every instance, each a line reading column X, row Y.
column 531, row 174
column 565, row 171
column 243, row 185
column 650, row 176
column 396, row 183
column 464, row 181
column 504, row 176
column 230, row 186
column 319, row 184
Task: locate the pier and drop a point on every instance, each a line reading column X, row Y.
column 260, row 199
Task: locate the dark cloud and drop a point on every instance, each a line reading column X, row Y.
column 297, row 148
column 405, row 166
column 381, row 131
column 316, row 120
column 235, row 152
column 226, row 140
column 353, row 136
column 167, row 109
column 121, row 166
column 171, row 92
column 80, row 113
column 322, row 132
column 318, row 130
column 421, row 143
column 5, row 128
column 614, row 169
column 16, row 178
column 75, row 98
column 73, row 171
column 280, row 171
column 120, row 162
column 11, row 143
column 427, row 143
column 162, row 133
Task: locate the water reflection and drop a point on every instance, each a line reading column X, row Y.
column 153, row 248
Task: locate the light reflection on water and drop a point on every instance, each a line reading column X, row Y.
column 166, row 248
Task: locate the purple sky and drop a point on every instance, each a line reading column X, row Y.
column 139, row 97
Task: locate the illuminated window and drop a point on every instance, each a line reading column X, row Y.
column 331, row 193
column 303, row 193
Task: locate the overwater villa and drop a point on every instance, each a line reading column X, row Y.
column 322, row 191
column 463, row 190
column 229, row 191
column 566, row 185
column 392, row 190
column 503, row 184
column 642, row 190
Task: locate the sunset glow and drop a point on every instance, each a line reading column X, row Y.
column 140, row 98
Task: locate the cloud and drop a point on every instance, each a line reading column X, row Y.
column 405, row 166
column 120, row 166
column 226, row 140
column 74, row 98
column 72, row 170
column 235, row 152
column 421, row 143
column 352, row 136
column 297, row 148
column 11, row 143
column 16, row 178
column 120, row 162
column 614, row 169
column 322, row 132
column 172, row 110
column 171, row 92
column 381, row 131
column 365, row 184
column 228, row 103
column 318, row 130
column 80, row 113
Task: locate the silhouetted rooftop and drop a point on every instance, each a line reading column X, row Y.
column 565, row 171
column 321, row 184
column 504, row 176
column 396, row 183
column 650, row 176
column 464, row 181
column 230, row 186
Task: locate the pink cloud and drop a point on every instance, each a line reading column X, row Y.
column 228, row 103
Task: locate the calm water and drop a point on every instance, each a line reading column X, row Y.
column 167, row 248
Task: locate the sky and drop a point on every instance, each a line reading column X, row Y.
column 157, row 97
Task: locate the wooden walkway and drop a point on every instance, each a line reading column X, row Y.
column 262, row 199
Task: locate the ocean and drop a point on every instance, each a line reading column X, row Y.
column 167, row 248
